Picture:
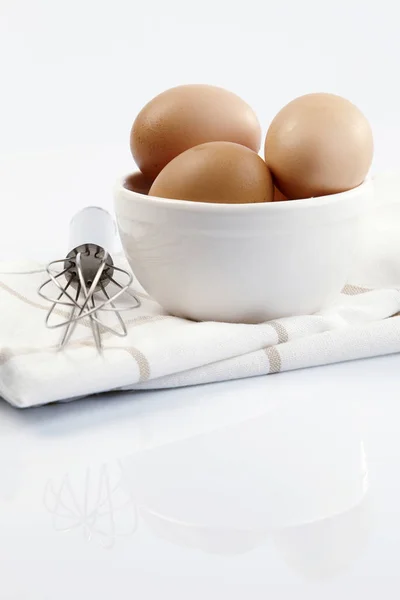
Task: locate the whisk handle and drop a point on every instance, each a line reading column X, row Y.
column 92, row 225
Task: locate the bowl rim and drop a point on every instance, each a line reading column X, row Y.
column 276, row 207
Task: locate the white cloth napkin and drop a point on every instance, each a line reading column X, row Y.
column 162, row 351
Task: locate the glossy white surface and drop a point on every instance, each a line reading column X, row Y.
column 283, row 486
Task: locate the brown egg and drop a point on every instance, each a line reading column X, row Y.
column 318, row 144
column 137, row 182
column 186, row 116
column 221, row 172
column 278, row 196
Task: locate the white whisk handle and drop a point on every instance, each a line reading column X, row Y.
column 93, row 225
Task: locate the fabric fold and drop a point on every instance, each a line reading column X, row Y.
column 162, row 351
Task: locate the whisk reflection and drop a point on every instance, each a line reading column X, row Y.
column 96, row 504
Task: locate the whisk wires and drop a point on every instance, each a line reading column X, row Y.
column 85, row 274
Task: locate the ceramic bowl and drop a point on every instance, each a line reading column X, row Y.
column 243, row 263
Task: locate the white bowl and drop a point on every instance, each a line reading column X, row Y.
column 241, row 263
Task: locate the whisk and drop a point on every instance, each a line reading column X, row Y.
column 87, row 279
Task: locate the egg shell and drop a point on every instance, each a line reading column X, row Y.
column 220, row 172
column 278, row 196
column 186, row 116
column 318, row 144
column 137, row 182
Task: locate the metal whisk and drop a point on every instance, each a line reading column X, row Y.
column 87, row 279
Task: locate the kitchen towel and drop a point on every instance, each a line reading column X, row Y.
column 162, row 351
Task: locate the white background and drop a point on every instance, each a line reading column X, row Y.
column 74, row 75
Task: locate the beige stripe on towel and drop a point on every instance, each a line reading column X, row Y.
column 275, row 363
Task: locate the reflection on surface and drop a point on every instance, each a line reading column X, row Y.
column 295, row 477
column 211, row 540
column 92, row 502
column 323, row 549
